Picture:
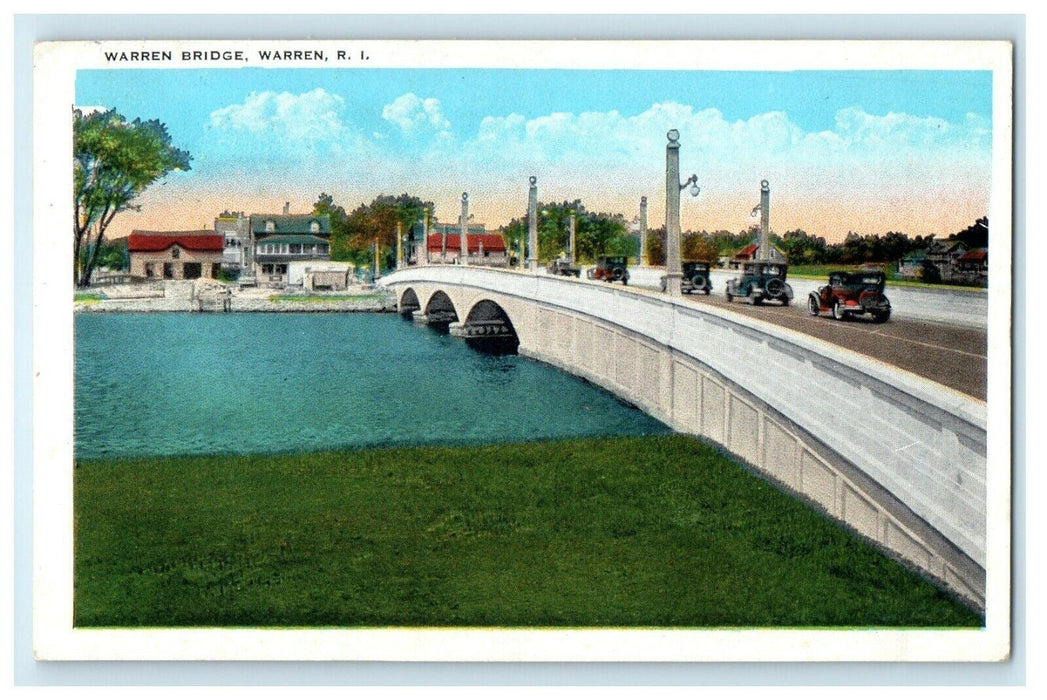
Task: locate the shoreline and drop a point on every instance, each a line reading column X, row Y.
column 208, row 297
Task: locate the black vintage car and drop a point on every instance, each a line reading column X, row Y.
column 695, row 278
column 610, row 268
column 761, row 281
column 563, row 266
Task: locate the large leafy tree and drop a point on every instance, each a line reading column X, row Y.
column 114, row 161
column 353, row 233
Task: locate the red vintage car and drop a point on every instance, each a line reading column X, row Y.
column 852, row 294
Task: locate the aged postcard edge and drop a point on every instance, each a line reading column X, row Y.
column 57, row 63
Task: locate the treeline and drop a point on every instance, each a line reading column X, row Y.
column 595, row 233
column 801, row 248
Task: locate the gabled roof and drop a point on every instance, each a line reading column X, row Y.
column 492, row 242
column 976, row 255
column 290, row 223
column 153, row 241
column 747, row 252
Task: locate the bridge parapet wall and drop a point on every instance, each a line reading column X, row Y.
column 897, row 458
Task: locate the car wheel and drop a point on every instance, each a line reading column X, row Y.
column 785, row 301
column 617, row 274
column 813, row 306
column 882, row 316
column 663, row 284
column 838, row 312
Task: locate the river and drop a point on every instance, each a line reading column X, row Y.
column 178, row 384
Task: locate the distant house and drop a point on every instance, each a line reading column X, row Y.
column 911, row 266
column 236, row 256
column 751, row 252
column 175, row 255
column 942, row 254
column 285, row 244
column 444, row 245
column 973, row 267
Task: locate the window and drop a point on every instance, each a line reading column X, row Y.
column 169, row 271
column 150, row 270
column 314, row 226
column 270, row 226
column 175, row 252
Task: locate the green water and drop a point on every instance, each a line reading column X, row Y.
column 179, row 384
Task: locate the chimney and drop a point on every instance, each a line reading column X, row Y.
column 287, row 207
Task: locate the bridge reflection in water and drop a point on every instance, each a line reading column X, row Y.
column 908, row 474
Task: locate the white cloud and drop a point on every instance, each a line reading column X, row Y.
column 310, row 117
column 414, row 114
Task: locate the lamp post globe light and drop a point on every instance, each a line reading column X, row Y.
column 673, row 187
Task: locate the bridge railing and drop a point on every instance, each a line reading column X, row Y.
column 922, row 442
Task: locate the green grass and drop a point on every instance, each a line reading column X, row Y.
column 613, row 532
column 87, row 297
column 322, row 298
column 893, row 280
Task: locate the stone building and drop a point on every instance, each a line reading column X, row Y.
column 175, row 255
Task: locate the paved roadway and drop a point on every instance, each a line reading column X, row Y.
column 950, row 355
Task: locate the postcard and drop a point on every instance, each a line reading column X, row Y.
column 522, row 350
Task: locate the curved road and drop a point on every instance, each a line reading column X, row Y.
column 950, row 355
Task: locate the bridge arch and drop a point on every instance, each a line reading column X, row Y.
column 408, row 303
column 488, row 328
column 440, row 311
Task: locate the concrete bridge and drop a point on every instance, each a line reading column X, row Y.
column 898, row 459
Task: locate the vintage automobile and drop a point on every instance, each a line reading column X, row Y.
column 852, row 294
column 695, row 278
column 563, row 266
column 761, row 281
column 610, row 268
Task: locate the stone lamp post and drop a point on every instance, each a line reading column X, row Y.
column 673, row 187
column 464, row 236
column 643, row 233
column 532, row 226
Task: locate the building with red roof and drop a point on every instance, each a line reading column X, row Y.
column 444, row 245
column 175, row 255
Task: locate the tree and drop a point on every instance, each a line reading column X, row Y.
column 114, row 161
column 353, row 234
column 656, row 246
column 698, row 247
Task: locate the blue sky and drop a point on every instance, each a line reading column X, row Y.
column 844, row 150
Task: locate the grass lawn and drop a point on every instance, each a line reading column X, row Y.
column 893, row 280
column 86, row 297
column 603, row 532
